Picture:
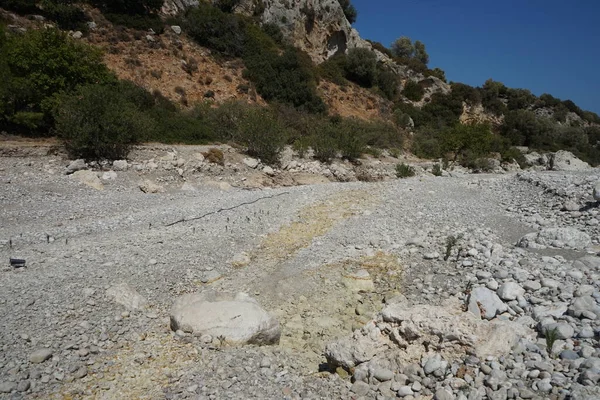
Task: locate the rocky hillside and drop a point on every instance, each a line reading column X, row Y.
column 307, row 56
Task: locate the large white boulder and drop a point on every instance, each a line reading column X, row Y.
column 566, row 161
column 238, row 319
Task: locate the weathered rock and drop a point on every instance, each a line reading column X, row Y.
column 7, row 387
column 75, row 165
column 250, row 162
column 126, row 296
column 176, row 29
column 120, row 165
column 238, row 319
column 510, row 291
column 566, row 161
column 556, row 237
column 109, row 176
column 39, row 356
column 485, row 303
column 150, row 187
column 89, row 178
column 584, row 304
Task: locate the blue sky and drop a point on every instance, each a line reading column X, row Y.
column 546, row 46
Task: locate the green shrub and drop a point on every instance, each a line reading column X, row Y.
column 285, row 78
column 350, row 139
column 426, row 144
column 334, row 69
column 212, row 28
column 21, row 6
column 404, row 171
column 263, row 135
column 38, row 65
column 99, row 122
column 67, row 15
column 436, row 170
column 388, row 82
column 361, row 66
column 413, row 91
column 142, row 22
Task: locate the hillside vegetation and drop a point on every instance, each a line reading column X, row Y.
column 54, row 82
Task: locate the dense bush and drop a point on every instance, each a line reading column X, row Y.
column 263, row 135
column 388, row 83
column 283, row 76
column 65, row 13
column 404, row 171
column 100, row 122
column 361, row 66
column 334, row 69
column 413, row 91
column 212, row 28
column 39, row 65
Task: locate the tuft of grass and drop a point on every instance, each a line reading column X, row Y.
column 404, row 171
column 215, row 156
column 450, row 243
column 551, row 338
column 436, row 170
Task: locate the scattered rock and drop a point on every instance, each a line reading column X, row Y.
column 120, row 165
column 89, row 178
column 150, row 187
column 75, row 165
column 126, row 296
column 485, row 304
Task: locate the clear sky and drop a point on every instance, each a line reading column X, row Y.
column 546, row 46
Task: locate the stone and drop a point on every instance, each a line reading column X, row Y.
column 176, row 29
column 443, row 394
column 23, row 386
column 241, row 260
column 359, row 281
column 566, row 161
column 77, row 35
column 120, row 165
column 109, row 176
column 251, row 162
column 383, row 374
column 432, row 364
column 88, row 178
column 532, row 286
column 485, row 303
column 405, row 391
column 150, row 187
column 238, row 319
column 360, row 388
column 7, row 387
column 431, row 256
column 268, row 170
column 39, row 356
column 510, row 291
column 75, row 165
column 127, row 296
column 556, row 237
column 584, row 304
column 570, row 205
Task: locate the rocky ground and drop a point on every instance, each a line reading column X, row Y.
column 463, row 286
